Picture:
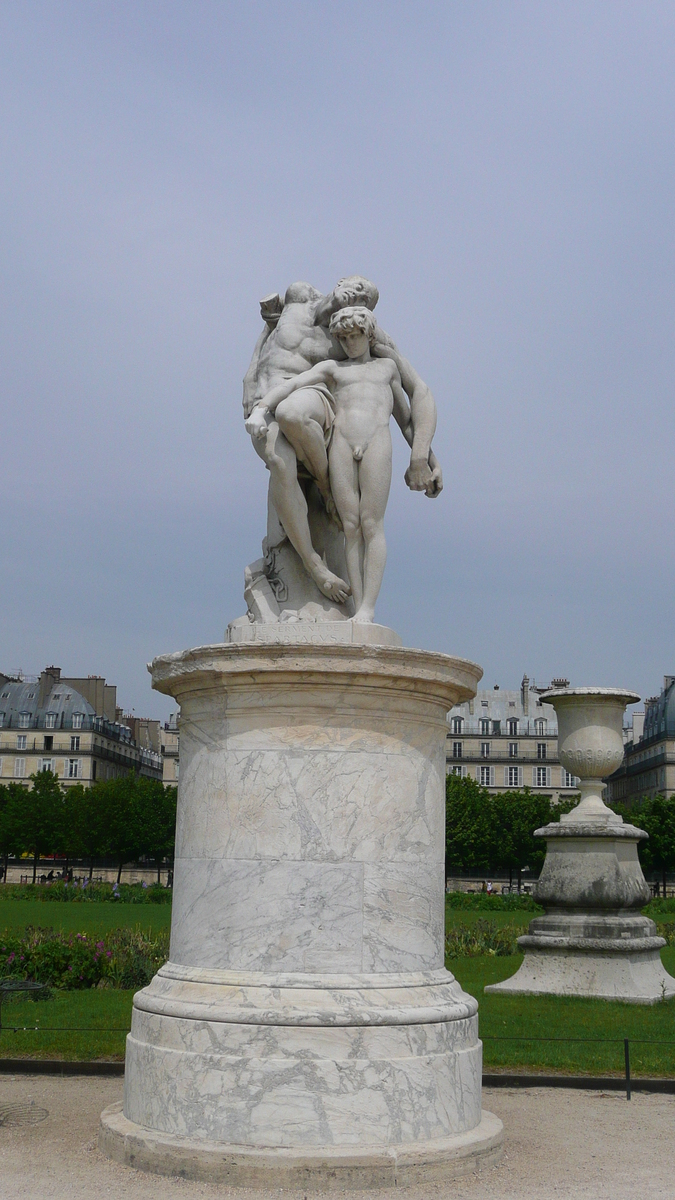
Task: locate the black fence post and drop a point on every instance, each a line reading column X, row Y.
column 626, row 1054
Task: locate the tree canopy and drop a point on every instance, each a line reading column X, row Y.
column 124, row 819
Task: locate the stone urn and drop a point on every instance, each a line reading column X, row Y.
column 592, row 939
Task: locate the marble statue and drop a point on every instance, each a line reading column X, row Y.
column 312, row 511
column 305, row 1032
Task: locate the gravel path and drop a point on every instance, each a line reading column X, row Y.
column 559, row 1143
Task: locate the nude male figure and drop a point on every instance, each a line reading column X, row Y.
column 365, row 393
column 297, row 337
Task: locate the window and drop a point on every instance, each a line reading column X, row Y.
column 19, row 768
column 47, row 764
column 24, row 720
column 21, row 741
column 513, row 726
column 74, row 768
column 461, row 771
column 93, row 769
column 541, row 749
column 0, row 766
column 2, row 719
column 456, row 751
column 50, row 720
column 485, row 749
column 486, row 776
column 5, row 695
column 457, row 723
column 567, row 779
column 513, row 776
column 77, row 720
column 75, row 742
column 540, row 726
column 484, row 725
column 175, row 765
column 49, row 743
column 542, row 776
column 513, row 749
column 56, row 696
column 497, row 728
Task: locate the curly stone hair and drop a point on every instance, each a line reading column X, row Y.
column 355, row 317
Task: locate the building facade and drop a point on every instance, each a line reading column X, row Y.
column 49, row 724
column 169, row 745
column 648, row 767
column 508, row 740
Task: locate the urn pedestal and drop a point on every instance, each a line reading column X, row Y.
column 592, row 939
column 305, row 1032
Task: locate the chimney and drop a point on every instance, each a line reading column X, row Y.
column 525, row 695
column 48, row 679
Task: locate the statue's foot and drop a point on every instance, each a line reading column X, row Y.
column 364, row 616
column 329, row 584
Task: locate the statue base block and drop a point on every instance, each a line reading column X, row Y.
column 328, row 1169
column 305, row 1031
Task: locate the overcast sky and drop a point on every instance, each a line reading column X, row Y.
column 503, row 170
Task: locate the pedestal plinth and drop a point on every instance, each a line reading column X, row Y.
column 305, row 1031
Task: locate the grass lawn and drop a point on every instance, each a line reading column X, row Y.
column 530, row 1017
column 92, row 1024
column 97, row 1020
column 87, row 917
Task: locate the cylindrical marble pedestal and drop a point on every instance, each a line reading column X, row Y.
column 305, row 1031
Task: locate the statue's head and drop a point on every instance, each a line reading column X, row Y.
column 355, row 290
column 301, row 293
column 354, row 327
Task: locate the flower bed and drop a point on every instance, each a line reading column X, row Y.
column 122, row 958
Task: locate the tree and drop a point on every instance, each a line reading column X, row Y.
column 487, row 831
column 656, row 815
column 468, row 825
column 35, row 815
column 157, row 820
column 6, row 831
column 515, row 816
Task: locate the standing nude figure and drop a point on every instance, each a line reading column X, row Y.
column 296, row 337
column 365, row 392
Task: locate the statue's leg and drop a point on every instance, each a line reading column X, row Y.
column 302, row 419
column 289, row 501
column 374, row 481
column 345, row 485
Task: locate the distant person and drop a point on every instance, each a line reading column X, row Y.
column 489, row 887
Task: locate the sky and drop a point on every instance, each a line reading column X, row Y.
column 502, row 169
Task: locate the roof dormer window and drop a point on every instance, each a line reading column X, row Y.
column 50, row 720
column 77, row 720
column 24, row 720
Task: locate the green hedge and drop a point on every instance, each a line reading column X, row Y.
column 482, row 900
column 122, row 958
column 75, row 893
column 659, row 905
